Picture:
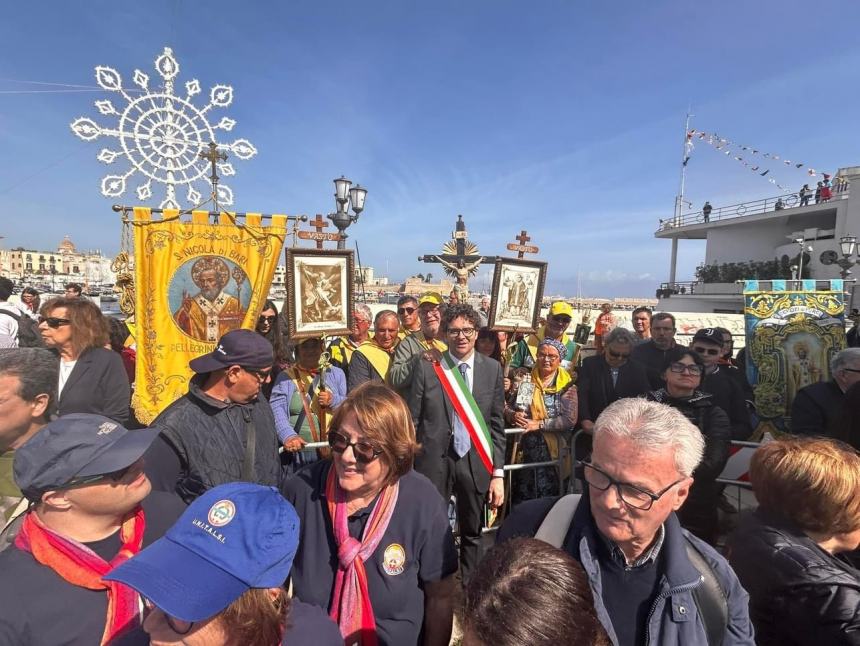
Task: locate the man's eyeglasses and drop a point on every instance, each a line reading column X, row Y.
column 405, row 310
column 261, row 375
column 53, row 321
column 851, row 369
column 617, row 355
column 630, row 495
column 364, row 452
column 563, row 320
column 710, row 351
column 179, row 626
column 267, row 319
column 689, row 368
column 116, row 476
column 466, row 332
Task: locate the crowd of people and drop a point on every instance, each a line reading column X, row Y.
column 302, row 490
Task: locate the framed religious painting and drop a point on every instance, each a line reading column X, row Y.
column 320, row 296
column 517, row 292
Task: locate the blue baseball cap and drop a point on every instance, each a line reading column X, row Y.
column 244, row 348
column 234, row 537
column 78, row 445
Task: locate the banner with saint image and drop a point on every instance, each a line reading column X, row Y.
column 793, row 329
column 194, row 282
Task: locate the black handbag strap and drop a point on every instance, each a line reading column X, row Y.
column 710, row 598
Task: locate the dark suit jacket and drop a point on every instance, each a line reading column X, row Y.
column 596, row 392
column 97, row 384
column 432, row 415
column 816, row 409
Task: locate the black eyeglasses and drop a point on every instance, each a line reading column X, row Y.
column 467, row 332
column 364, row 452
column 617, row 355
column 179, row 626
column 116, row 476
column 562, row 319
column 711, row 351
column 405, row 310
column 630, row 495
column 689, row 368
column 267, row 319
column 53, row 321
column 261, row 375
column 851, row 369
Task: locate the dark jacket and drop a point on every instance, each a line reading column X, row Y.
column 209, row 436
column 816, row 409
column 799, row 593
column 653, row 358
column 729, row 396
column 596, row 392
column 699, row 513
column 673, row 619
column 98, row 384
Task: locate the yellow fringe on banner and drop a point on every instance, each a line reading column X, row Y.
column 194, row 282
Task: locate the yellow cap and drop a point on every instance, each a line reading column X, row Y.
column 561, row 308
column 434, row 298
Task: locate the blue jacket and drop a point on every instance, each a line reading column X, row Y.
column 673, row 619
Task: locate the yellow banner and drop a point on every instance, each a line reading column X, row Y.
column 194, row 281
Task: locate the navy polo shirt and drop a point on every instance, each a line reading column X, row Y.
column 417, row 548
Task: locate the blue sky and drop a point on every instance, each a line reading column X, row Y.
column 565, row 118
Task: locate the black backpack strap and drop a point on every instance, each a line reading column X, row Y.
column 12, row 314
column 248, row 474
column 710, row 598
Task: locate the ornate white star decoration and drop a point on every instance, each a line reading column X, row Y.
column 162, row 134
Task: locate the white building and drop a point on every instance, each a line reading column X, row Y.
column 759, row 231
column 64, row 264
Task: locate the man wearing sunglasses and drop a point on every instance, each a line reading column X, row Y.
column 466, row 381
column 91, row 509
column 558, row 320
column 407, row 313
column 653, row 582
column 221, row 430
column 605, row 378
column 727, row 393
column 426, row 339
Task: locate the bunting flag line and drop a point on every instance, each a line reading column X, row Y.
column 725, row 146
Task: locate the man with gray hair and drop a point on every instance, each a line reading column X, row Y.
column 652, row 581
column 817, row 407
column 28, row 398
column 340, row 349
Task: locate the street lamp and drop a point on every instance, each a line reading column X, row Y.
column 801, row 243
column 346, row 195
column 847, row 245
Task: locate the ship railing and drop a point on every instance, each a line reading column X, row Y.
column 744, row 209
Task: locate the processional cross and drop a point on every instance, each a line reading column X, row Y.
column 460, row 258
column 213, row 156
column 522, row 248
column 319, row 236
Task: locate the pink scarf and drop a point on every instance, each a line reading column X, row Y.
column 351, row 607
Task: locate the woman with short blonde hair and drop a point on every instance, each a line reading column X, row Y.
column 789, row 554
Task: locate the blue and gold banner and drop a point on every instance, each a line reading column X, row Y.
column 793, row 329
column 194, row 281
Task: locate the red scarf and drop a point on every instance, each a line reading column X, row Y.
column 351, row 607
column 80, row 566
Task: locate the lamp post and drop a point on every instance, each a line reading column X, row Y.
column 801, row 243
column 346, row 195
column 848, row 247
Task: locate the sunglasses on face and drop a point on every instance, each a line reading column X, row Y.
column 179, row 626
column 405, row 310
column 267, row 319
column 261, row 375
column 711, row 351
column 53, row 321
column 563, row 320
column 617, row 355
column 689, row 368
column 364, row 452
column 116, row 476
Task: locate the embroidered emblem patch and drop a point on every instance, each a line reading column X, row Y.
column 394, row 559
column 221, row 513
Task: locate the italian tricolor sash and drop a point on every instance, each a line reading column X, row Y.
column 461, row 399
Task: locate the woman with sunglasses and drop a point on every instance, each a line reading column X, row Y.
column 269, row 327
column 682, row 372
column 92, row 377
column 551, row 408
column 216, row 577
column 376, row 549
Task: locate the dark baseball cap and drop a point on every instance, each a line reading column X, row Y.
column 234, row 537
column 709, row 335
column 244, row 348
column 77, row 446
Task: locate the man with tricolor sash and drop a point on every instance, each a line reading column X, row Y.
column 457, row 404
column 557, row 321
column 372, row 359
column 413, row 345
